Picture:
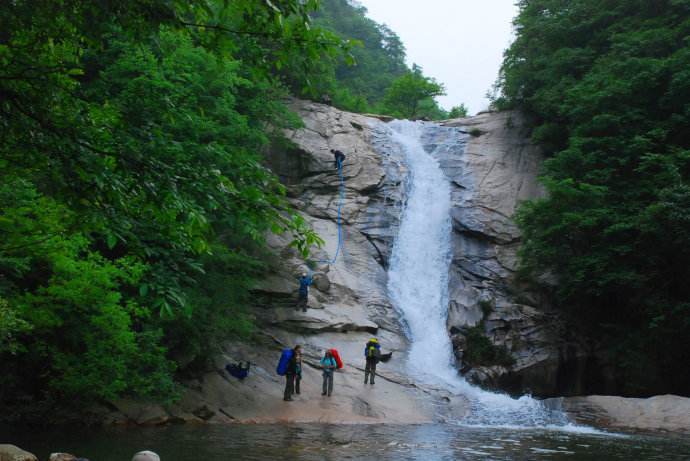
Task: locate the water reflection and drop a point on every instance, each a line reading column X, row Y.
column 321, row 442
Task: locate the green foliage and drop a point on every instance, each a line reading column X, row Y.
column 482, row 352
column 361, row 79
column 378, row 60
column 133, row 198
column 411, row 96
column 608, row 87
column 458, row 111
column 11, row 326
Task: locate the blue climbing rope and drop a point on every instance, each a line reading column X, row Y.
column 339, row 220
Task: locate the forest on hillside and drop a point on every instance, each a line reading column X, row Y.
column 607, row 84
column 134, row 202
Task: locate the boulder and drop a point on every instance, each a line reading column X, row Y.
column 321, row 282
column 14, row 453
column 658, row 413
column 146, row 456
column 62, row 457
column 142, row 413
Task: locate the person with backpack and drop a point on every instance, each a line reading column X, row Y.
column 304, row 281
column 291, row 373
column 372, row 354
column 298, row 375
column 329, row 364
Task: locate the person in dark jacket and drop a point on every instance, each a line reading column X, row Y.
column 298, row 375
column 339, row 158
column 303, row 297
column 291, row 373
column 329, row 365
column 372, row 354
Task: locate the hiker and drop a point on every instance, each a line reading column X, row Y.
column 291, row 374
column 298, row 374
column 304, row 281
column 372, row 353
column 329, row 365
column 339, row 158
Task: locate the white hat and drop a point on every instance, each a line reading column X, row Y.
column 146, row 456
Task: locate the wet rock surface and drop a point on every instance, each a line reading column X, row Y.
column 493, row 167
column 661, row 412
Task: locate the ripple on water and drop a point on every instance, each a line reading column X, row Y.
column 322, row 442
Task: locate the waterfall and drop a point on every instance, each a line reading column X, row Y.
column 418, row 288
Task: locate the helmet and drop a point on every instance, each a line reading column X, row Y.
column 373, row 340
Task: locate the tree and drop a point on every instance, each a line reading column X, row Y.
column 407, row 93
column 607, row 88
column 133, row 199
column 458, row 111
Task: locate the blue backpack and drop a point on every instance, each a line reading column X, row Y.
column 285, row 357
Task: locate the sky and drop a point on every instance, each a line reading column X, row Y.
column 458, row 42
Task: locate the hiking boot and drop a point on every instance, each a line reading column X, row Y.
column 323, row 393
column 289, row 399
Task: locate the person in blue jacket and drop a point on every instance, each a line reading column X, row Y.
column 304, row 281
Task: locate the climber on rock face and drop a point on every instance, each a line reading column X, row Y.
column 339, row 158
column 304, row 281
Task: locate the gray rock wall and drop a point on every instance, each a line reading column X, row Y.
column 493, row 170
column 491, row 173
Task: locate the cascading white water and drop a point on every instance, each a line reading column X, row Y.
column 418, row 287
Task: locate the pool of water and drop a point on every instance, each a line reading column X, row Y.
column 323, row 442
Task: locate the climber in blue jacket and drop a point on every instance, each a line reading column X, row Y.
column 304, row 281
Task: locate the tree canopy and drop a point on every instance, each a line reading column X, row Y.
column 133, row 197
column 378, row 63
column 608, row 87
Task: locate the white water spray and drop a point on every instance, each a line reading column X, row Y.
column 418, row 287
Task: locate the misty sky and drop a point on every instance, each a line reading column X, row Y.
column 458, row 42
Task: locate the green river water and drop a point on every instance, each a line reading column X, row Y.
column 325, row 442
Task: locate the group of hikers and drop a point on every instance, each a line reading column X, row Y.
column 291, row 361
column 290, row 365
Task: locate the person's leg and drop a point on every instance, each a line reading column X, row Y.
column 373, row 371
column 289, row 387
column 330, row 383
column 367, row 368
column 325, row 383
column 302, row 303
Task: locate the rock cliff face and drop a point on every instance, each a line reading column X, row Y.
column 492, row 170
column 348, row 302
column 492, row 167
